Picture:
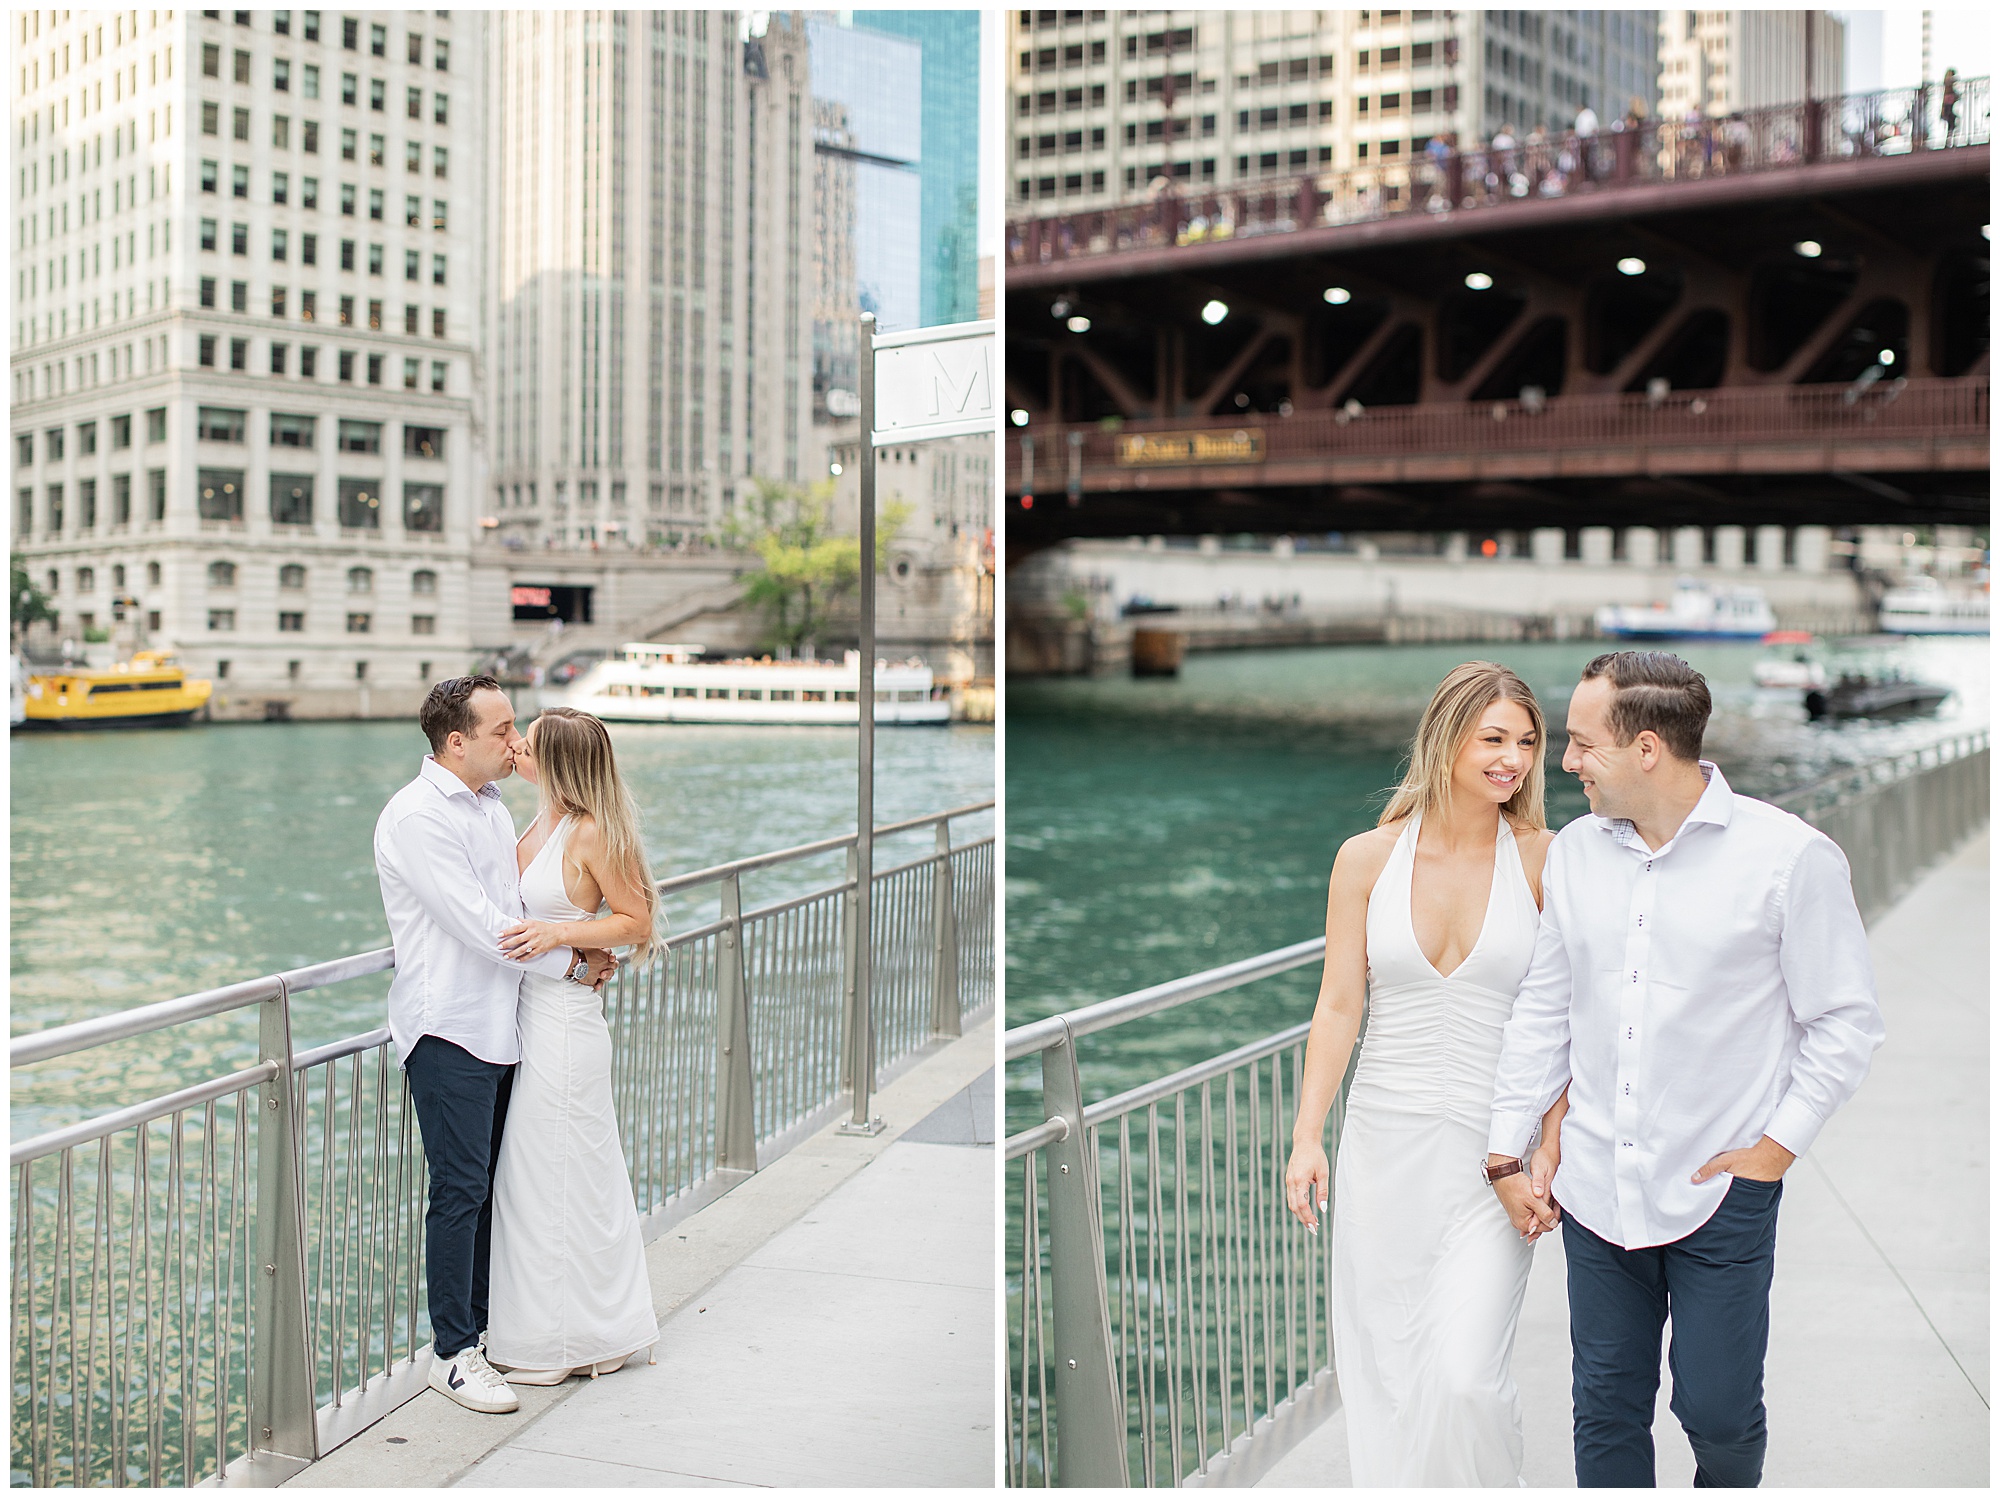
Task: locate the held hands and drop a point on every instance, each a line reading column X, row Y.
column 526, row 940
column 1525, row 1195
column 1306, row 1178
column 1766, row 1160
column 602, row 965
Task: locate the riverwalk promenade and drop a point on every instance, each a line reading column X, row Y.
column 828, row 1322
column 1879, row 1371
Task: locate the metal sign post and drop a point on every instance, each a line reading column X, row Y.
column 933, row 382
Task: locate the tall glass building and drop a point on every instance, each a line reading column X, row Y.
column 950, row 158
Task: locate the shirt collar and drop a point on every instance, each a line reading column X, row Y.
column 449, row 783
column 1715, row 806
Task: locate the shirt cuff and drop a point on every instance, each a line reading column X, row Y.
column 554, row 963
column 1510, row 1134
column 1794, row 1125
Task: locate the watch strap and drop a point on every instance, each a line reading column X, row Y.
column 1500, row 1172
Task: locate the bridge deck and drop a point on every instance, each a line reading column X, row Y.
column 1879, row 1372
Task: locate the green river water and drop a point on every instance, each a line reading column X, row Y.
column 148, row 864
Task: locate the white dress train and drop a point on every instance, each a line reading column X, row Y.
column 1428, row 1273
column 568, row 1274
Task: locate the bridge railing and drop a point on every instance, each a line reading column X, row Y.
column 228, row 1280
column 1625, row 153
column 1043, row 458
column 1167, row 1319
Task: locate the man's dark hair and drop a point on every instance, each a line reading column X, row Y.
column 448, row 709
column 1655, row 690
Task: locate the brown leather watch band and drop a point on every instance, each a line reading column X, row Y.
column 1500, row 1172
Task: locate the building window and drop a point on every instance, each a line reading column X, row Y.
column 357, row 624
column 360, row 580
column 86, row 579
column 413, row 103
column 423, row 624
column 278, row 357
column 220, row 494
column 86, row 495
column 378, row 41
column 359, row 436
column 221, row 619
column 438, row 368
column 413, row 156
column 240, row 120
column 219, row 424
column 437, row 322
column 278, row 301
column 360, row 505
column 239, row 353
column 412, row 372
column 309, row 85
column 55, row 514
column 347, row 254
column 440, row 109
column 375, row 312
column 347, row 152
column 291, row 575
column 292, row 504
column 350, row 88
column 211, row 117
column 308, row 360
column 377, row 150
column 211, row 60
column 121, row 432
column 374, row 369
column 210, row 174
column 440, row 159
column 440, row 52
column 309, row 249
column 309, row 192
column 239, row 239
column 423, row 442
column 374, row 260
column 291, row 623
column 437, row 270
column 350, row 33
column 280, row 245
column 378, row 94
column 222, row 574
column 415, row 44
column 424, row 582
column 412, row 263
column 347, row 191
column 241, row 69
column 346, row 365
column 281, row 188
column 423, row 507
column 205, row 351
column 208, row 234
column 239, row 296
column 208, row 291
column 346, row 311
column 410, row 319
column 413, row 211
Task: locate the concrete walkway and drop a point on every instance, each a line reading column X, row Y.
column 1879, row 1369
column 829, row 1322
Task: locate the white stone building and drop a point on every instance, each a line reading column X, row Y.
column 248, row 252
column 1716, row 62
column 1103, row 103
column 652, row 273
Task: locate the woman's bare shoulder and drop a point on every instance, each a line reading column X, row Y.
column 1362, row 856
column 583, row 836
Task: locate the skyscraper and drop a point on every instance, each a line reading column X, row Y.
column 950, row 162
column 648, row 353
column 1105, row 103
column 247, row 273
column 1715, row 62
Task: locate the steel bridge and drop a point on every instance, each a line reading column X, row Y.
column 1779, row 317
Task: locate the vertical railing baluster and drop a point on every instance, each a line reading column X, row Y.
column 944, row 941
column 735, row 1100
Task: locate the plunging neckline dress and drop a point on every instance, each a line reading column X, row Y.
column 1428, row 1273
column 568, row 1275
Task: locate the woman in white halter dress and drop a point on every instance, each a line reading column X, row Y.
column 1434, row 914
column 569, row 1292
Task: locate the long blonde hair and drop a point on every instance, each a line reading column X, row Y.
column 579, row 776
column 1454, row 711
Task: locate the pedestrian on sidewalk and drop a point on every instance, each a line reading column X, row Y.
column 1701, row 994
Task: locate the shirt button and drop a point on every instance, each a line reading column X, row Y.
column 1628, row 1144
column 1628, row 1089
column 1649, row 865
column 1628, row 1034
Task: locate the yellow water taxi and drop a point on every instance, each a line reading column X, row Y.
column 150, row 689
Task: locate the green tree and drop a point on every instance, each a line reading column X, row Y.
column 27, row 603
column 807, row 567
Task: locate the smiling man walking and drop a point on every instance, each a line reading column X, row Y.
column 1702, row 988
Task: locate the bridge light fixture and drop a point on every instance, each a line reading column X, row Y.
column 835, row 469
column 1059, row 307
column 1338, row 296
column 1631, row 265
column 1214, row 313
column 1807, row 249
column 1886, row 357
column 1479, row 281
column 1079, row 325
column 1018, row 417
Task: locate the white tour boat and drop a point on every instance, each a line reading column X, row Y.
column 1922, row 606
column 1695, row 612
column 647, row 683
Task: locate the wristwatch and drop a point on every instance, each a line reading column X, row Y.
column 580, row 969
column 1497, row 1173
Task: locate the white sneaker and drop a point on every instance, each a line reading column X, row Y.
column 470, row 1380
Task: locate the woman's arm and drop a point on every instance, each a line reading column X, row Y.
column 1343, row 992
column 630, row 920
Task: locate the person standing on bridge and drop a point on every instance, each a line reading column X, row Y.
column 1430, row 923
column 444, row 851
column 1701, row 995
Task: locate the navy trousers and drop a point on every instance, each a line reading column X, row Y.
column 461, row 1108
column 1715, row 1286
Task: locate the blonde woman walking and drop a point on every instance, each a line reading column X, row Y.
column 1430, row 926
column 569, row 1289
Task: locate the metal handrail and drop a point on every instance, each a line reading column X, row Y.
column 148, row 1347
column 63, row 1040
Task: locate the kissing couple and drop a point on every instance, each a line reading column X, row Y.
column 1631, row 1028
column 498, row 1024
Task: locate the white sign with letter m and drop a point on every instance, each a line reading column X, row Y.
column 936, row 382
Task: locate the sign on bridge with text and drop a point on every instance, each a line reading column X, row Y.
column 936, row 382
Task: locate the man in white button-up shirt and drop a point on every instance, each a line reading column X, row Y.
column 1702, row 988
column 444, row 850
